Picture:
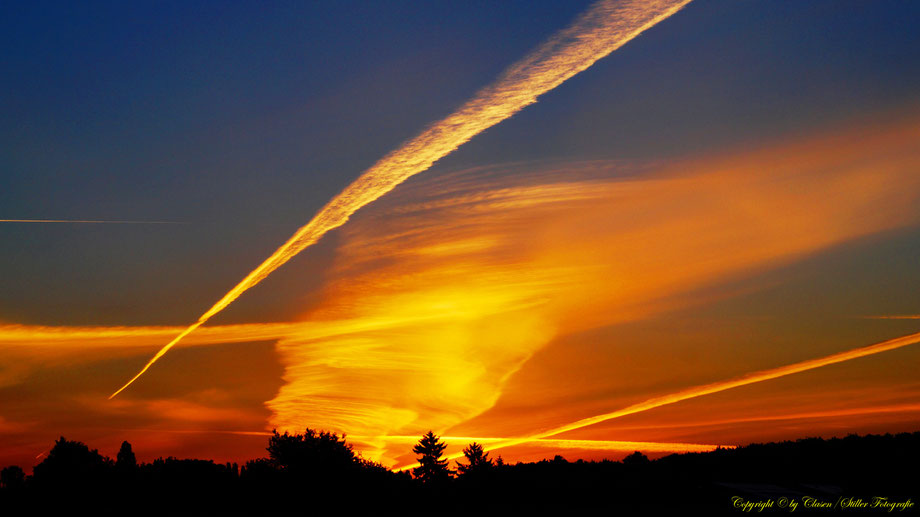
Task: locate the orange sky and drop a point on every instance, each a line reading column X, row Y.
column 502, row 301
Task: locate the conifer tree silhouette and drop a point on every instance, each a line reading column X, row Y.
column 478, row 461
column 432, row 468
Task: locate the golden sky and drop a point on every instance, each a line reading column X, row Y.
column 505, row 301
column 578, row 228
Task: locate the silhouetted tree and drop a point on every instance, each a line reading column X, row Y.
column 125, row 461
column 636, row 458
column 71, row 465
column 12, row 478
column 258, row 468
column 74, row 477
column 432, row 468
column 312, row 454
column 478, row 461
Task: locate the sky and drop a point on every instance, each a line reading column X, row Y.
column 734, row 190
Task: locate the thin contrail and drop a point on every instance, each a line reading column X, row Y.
column 707, row 389
column 85, row 221
column 605, row 27
column 598, row 445
column 899, row 408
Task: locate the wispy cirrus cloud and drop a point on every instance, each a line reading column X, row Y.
column 477, row 275
column 603, row 28
column 442, row 292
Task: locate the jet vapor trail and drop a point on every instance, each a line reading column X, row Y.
column 899, row 408
column 605, row 27
column 707, row 389
column 597, row 445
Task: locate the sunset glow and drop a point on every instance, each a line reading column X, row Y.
column 604, row 28
column 704, row 235
column 700, row 391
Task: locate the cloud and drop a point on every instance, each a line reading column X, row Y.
column 716, row 387
column 472, row 273
column 603, row 28
column 443, row 291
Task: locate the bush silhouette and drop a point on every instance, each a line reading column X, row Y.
column 72, row 465
column 636, row 458
column 313, row 454
column 258, row 470
column 12, row 478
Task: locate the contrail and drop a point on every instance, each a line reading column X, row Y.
column 598, row 445
column 84, row 221
column 899, row 408
column 707, row 389
column 605, row 27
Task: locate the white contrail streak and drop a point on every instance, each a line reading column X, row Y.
column 605, row 27
column 707, row 389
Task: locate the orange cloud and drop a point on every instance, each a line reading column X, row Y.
column 481, row 270
column 699, row 391
column 834, row 413
column 603, row 28
column 443, row 291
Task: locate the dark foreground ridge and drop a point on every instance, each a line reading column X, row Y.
column 317, row 473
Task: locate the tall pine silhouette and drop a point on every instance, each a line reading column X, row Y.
column 432, row 467
column 478, row 461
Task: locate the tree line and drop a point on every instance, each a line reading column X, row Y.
column 318, row 472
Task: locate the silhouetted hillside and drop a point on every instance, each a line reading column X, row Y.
column 317, row 473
